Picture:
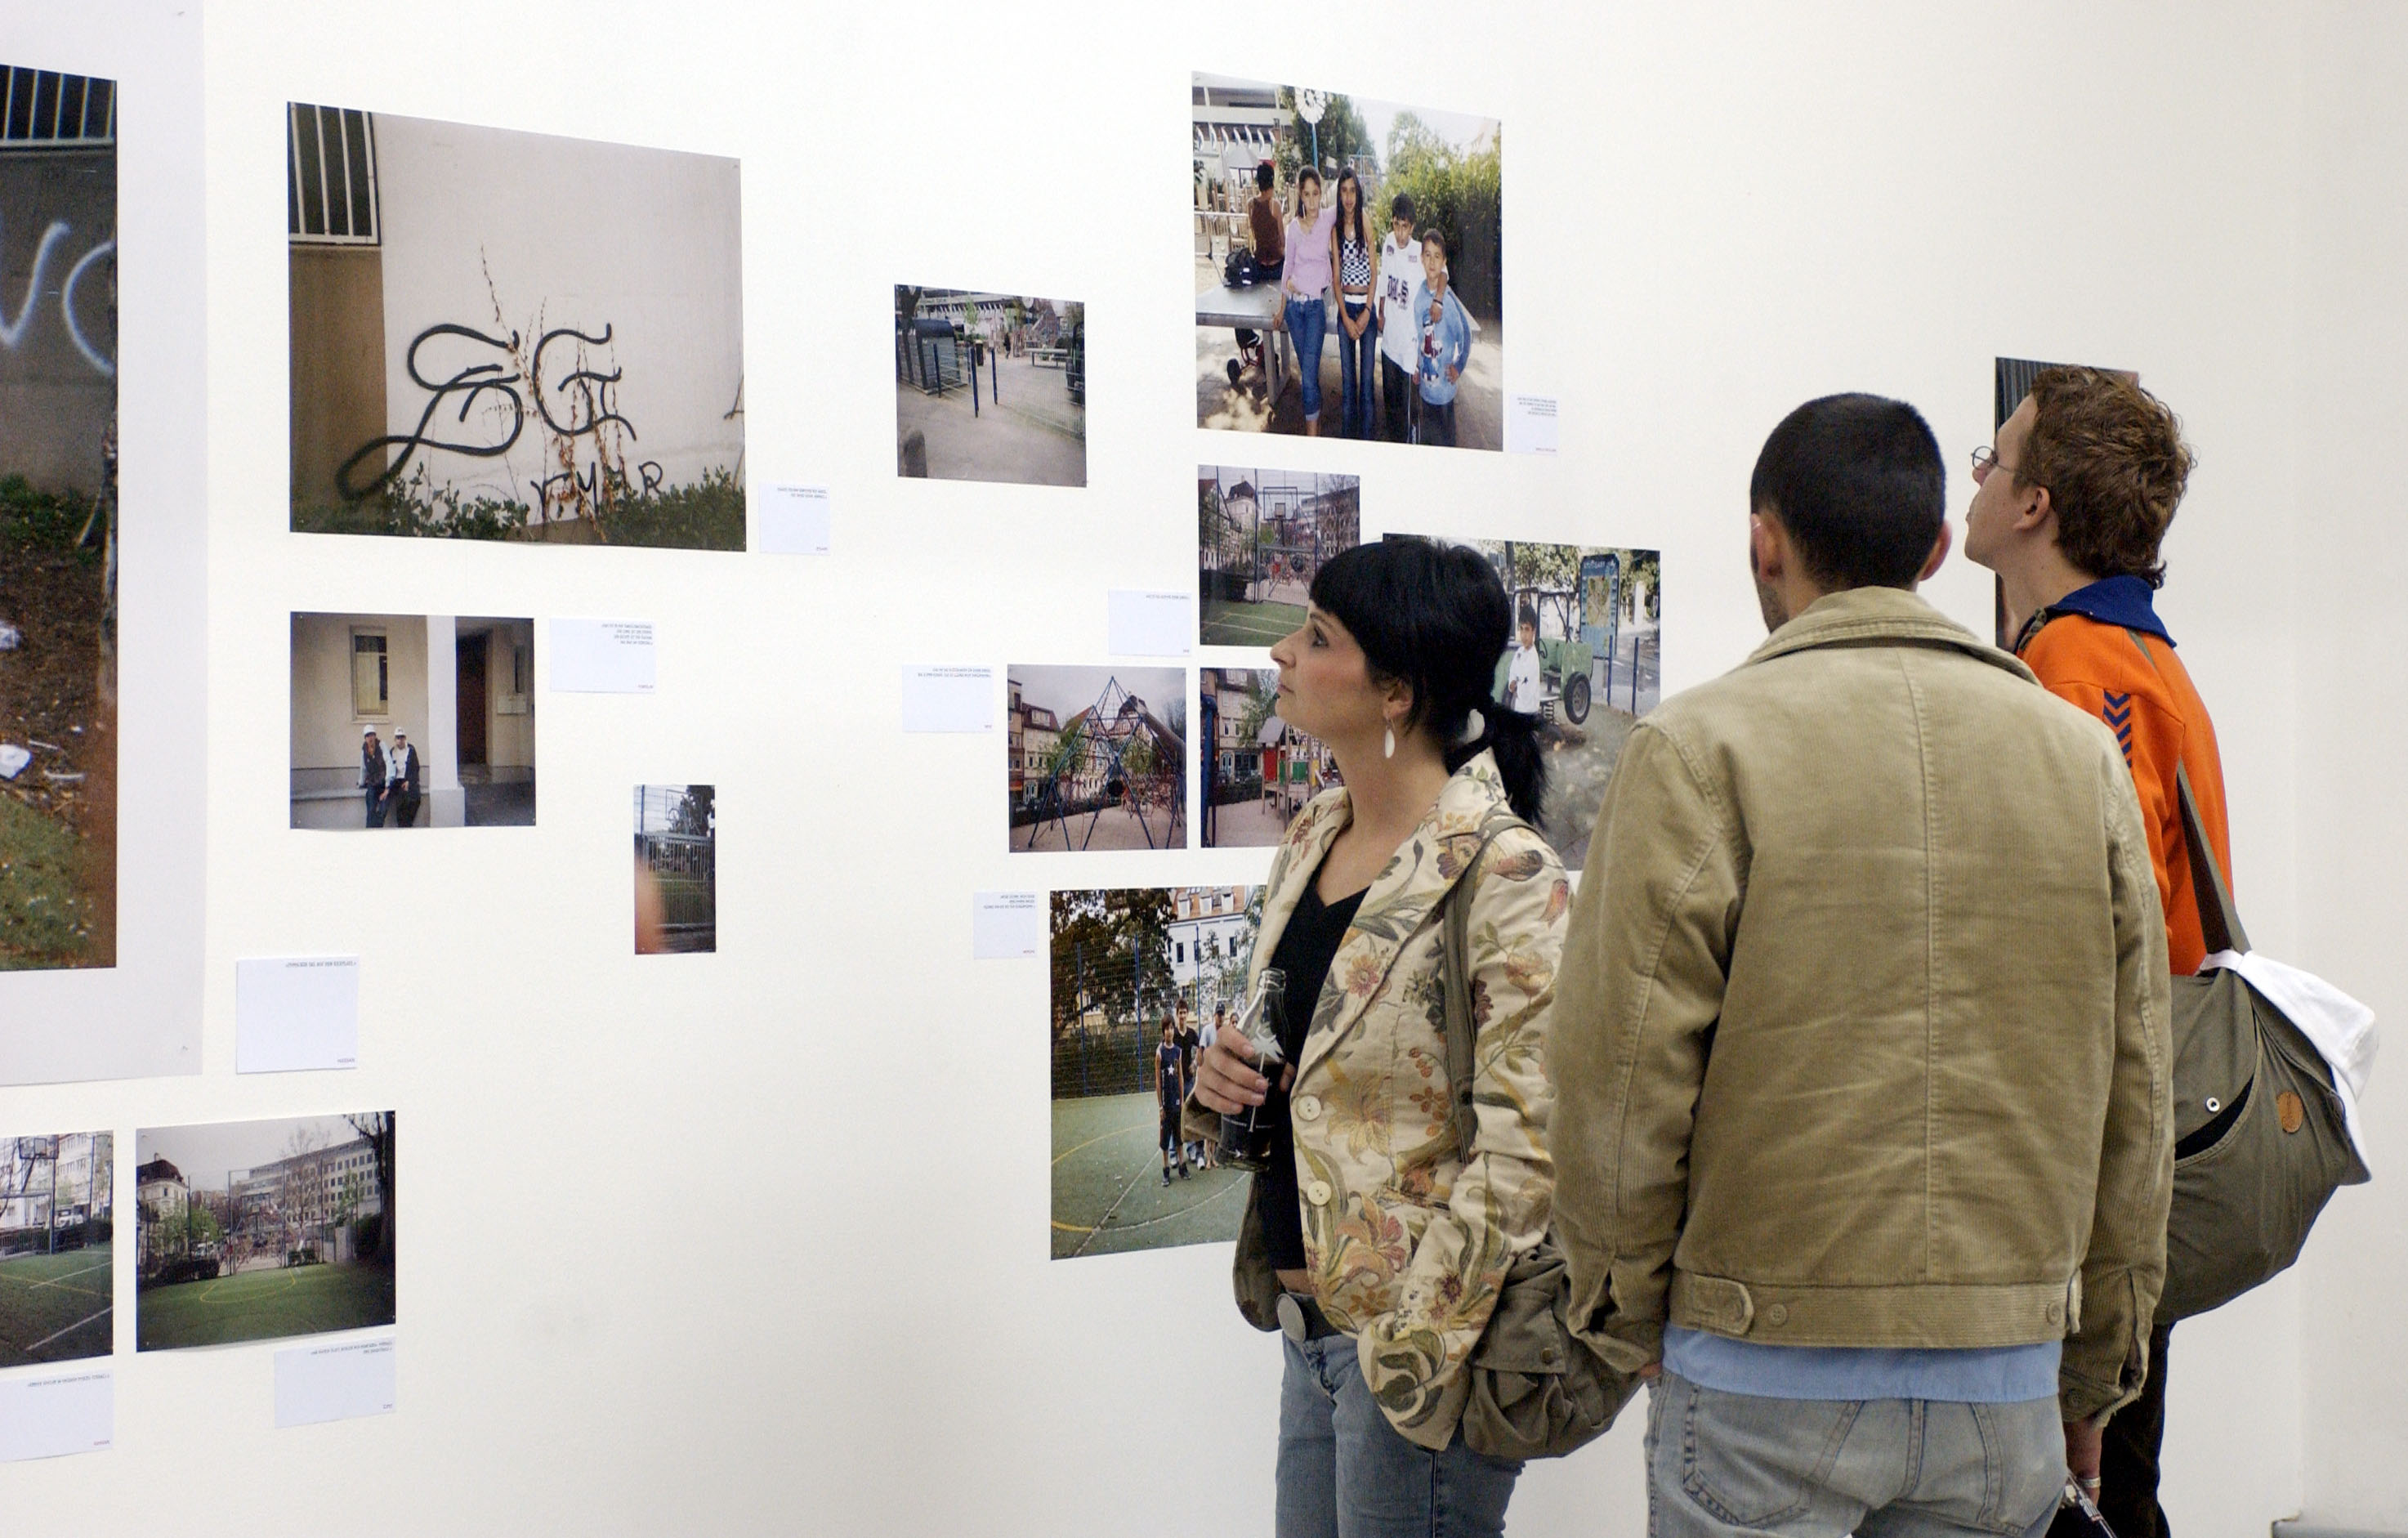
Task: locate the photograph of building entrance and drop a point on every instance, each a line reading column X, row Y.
column 1349, row 266
column 257, row 1229
column 58, row 520
column 1260, row 537
column 56, row 1221
column 473, row 357
column 412, row 721
column 1098, row 757
column 990, row 386
column 1142, row 979
column 676, row 870
column 1258, row 770
column 1584, row 659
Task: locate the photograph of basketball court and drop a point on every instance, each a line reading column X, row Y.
column 56, row 1294
column 1260, row 537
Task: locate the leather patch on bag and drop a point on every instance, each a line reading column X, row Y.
column 2288, row 1107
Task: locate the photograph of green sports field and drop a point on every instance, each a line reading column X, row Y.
column 1260, row 537
column 56, row 1296
column 258, row 1231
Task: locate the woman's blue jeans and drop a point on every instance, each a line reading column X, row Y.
column 1346, row 1473
column 1356, row 372
column 1305, row 319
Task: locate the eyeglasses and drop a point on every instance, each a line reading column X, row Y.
column 1985, row 459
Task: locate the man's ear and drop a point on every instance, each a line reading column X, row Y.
column 2038, row 514
column 1940, row 548
column 1768, row 547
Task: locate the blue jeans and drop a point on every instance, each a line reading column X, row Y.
column 1355, row 373
column 1346, row 1473
column 1305, row 319
column 1721, row 1464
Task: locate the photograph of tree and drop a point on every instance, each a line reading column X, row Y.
column 1258, row 770
column 56, row 1282
column 1142, row 977
column 258, row 1229
column 1285, row 178
column 676, row 870
column 1260, row 537
column 470, row 359
column 58, row 520
column 1098, row 757
column 990, row 386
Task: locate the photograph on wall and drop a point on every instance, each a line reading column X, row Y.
column 57, row 1288
column 58, row 520
column 1098, row 757
column 1584, row 659
column 1349, row 266
column 1260, row 538
column 1142, row 979
column 676, row 870
column 990, row 387
column 1258, row 770
column 412, row 721
column 474, row 358
column 255, row 1230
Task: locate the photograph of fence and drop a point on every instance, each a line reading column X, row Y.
column 676, row 870
column 1260, row 538
column 56, row 1222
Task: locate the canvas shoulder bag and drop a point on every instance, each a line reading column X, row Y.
column 2261, row 1139
column 1537, row 1390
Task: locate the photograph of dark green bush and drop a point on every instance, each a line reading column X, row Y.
column 470, row 359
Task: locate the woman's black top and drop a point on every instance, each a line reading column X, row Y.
column 1306, row 948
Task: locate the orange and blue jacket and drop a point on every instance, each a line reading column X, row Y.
column 2083, row 649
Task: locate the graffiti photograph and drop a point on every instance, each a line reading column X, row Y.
column 676, row 870
column 1142, row 979
column 256, row 1230
column 57, row 1205
column 412, row 721
column 471, row 360
column 1260, row 537
column 1584, row 660
column 1258, row 770
column 1349, row 266
column 58, row 520
column 1098, row 757
column 990, row 387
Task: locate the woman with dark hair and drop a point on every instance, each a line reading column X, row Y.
column 1304, row 288
column 1352, row 257
column 1372, row 1238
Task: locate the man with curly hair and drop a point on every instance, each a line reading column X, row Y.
column 2070, row 509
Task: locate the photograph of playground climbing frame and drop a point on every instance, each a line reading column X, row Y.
column 258, row 1229
column 58, row 520
column 1258, row 770
column 471, row 360
column 1584, row 659
column 1098, row 757
column 1260, row 537
column 1267, row 359
column 1123, row 961
column 990, row 387
column 676, row 870
column 56, row 1215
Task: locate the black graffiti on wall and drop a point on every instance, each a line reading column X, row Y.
column 471, row 382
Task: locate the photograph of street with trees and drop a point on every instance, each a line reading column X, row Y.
column 255, row 1230
column 57, row 1288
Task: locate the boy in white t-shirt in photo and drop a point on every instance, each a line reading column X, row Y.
column 1522, row 691
column 1400, row 270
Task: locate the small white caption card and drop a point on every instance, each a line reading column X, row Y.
column 1152, row 625
column 948, row 699
column 339, row 1381
column 791, row 519
column 1531, row 427
column 602, row 656
column 55, row 1416
column 295, row 1012
column 1007, row 925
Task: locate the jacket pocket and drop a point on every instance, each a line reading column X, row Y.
column 1752, row 1460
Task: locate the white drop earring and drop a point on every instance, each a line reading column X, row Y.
column 1388, row 748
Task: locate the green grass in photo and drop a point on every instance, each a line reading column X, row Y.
column 54, row 1308
column 1248, row 623
column 42, row 912
column 260, row 1305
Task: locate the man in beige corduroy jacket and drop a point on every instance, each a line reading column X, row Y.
column 1862, row 1133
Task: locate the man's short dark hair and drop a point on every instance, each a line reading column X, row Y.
column 1263, row 175
column 1857, row 483
column 1401, row 206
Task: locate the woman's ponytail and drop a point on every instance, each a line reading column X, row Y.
column 1513, row 737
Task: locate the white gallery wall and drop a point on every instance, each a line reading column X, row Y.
column 755, row 1242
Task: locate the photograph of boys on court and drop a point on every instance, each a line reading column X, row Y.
column 1098, row 757
column 1258, row 770
column 1260, row 537
column 1584, row 659
column 258, row 1229
column 412, row 721
column 990, row 386
column 1333, row 224
column 1143, row 979
column 56, row 1216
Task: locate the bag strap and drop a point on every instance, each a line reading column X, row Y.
column 1456, row 972
column 2219, row 921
